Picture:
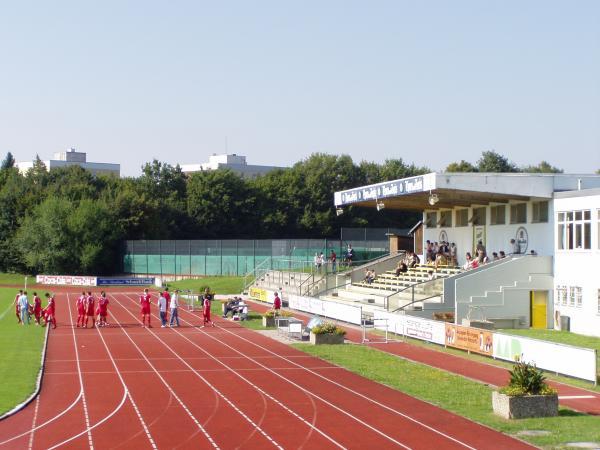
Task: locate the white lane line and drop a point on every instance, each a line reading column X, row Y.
column 35, row 413
column 575, row 397
column 90, row 428
column 217, row 391
column 185, row 408
column 5, row 312
column 406, row 416
column 337, row 408
column 263, row 392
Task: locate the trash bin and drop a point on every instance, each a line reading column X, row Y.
column 565, row 323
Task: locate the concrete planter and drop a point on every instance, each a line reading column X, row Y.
column 520, row 407
column 328, row 338
column 268, row 322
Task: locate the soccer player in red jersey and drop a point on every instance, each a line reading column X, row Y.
column 51, row 310
column 207, row 297
column 145, row 304
column 102, row 309
column 37, row 308
column 89, row 309
column 81, row 309
column 17, row 307
column 167, row 297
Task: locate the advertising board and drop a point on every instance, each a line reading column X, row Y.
column 65, row 280
column 124, row 281
column 470, row 339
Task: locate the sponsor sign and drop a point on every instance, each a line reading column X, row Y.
column 65, row 280
column 415, row 327
column 124, row 281
column 333, row 310
column 565, row 359
column 258, row 294
column 382, row 190
column 471, row 339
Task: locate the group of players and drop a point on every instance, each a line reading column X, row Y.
column 87, row 308
column 172, row 306
column 24, row 310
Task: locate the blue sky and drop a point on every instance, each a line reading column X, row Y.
column 430, row 82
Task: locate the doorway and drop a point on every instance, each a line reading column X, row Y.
column 538, row 302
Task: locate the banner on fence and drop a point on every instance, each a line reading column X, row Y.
column 124, row 281
column 415, row 327
column 333, row 310
column 65, row 280
column 470, row 339
column 565, row 359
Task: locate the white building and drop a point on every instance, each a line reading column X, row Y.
column 235, row 163
column 71, row 157
column 556, row 215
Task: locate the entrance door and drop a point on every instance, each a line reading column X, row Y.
column 539, row 300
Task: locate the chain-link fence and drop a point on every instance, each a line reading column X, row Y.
column 237, row 256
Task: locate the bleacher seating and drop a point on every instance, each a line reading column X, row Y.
column 389, row 281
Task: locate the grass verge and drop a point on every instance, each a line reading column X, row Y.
column 20, row 353
column 16, row 279
column 456, row 394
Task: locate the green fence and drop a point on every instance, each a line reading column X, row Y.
column 234, row 257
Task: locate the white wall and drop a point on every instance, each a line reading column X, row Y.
column 580, row 268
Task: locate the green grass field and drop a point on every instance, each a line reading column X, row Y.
column 20, row 353
column 16, row 279
column 454, row 393
column 219, row 285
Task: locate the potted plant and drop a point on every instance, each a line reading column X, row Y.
column 526, row 395
column 327, row 333
column 268, row 317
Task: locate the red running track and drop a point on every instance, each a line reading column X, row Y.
column 126, row 387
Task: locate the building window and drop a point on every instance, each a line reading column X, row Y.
column 518, row 213
column 578, row 296
column 574, row 230
column 572, row 296
column 539, row 212
column 462, row 217
column 431, row 219
column 561, row 295
column 479, row 216
column 445, row 219
column 498, row 215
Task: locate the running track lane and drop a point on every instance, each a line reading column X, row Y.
column 345, row 410
column 582, row 400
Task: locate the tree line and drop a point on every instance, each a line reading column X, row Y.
column 68, row 221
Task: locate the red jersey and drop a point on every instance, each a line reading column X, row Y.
column 81, row 304
column 37, row 304
column 277, row 303
column 17, row 307
column 167, row 297
column 90, row 305
column 103, row 305
column 51, row 308
column 145, row 302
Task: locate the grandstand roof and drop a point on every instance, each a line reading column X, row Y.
column 463, row 189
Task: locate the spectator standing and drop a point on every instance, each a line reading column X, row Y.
column 333, row 259
column 453, row 254
column 162, row 309
column 516, row 248
column 174, row 308
column 481, row 248
column 24, row 306
column 276, row 305
column 323, row 262
column 168, row 299
column 317, row 263
column 350, row 255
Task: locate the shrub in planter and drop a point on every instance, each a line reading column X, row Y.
column 269, row 317
column 526, row 395
column 327, row 333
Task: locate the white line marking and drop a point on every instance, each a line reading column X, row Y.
column 218, row 392
column 259, row 389
column 344, row 387
column 185, row 408
column 5, row 312
column 35, row 413
column 575, row 397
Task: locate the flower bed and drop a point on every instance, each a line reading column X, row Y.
column 327, row 333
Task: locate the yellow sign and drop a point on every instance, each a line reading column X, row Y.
column 258, row 294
